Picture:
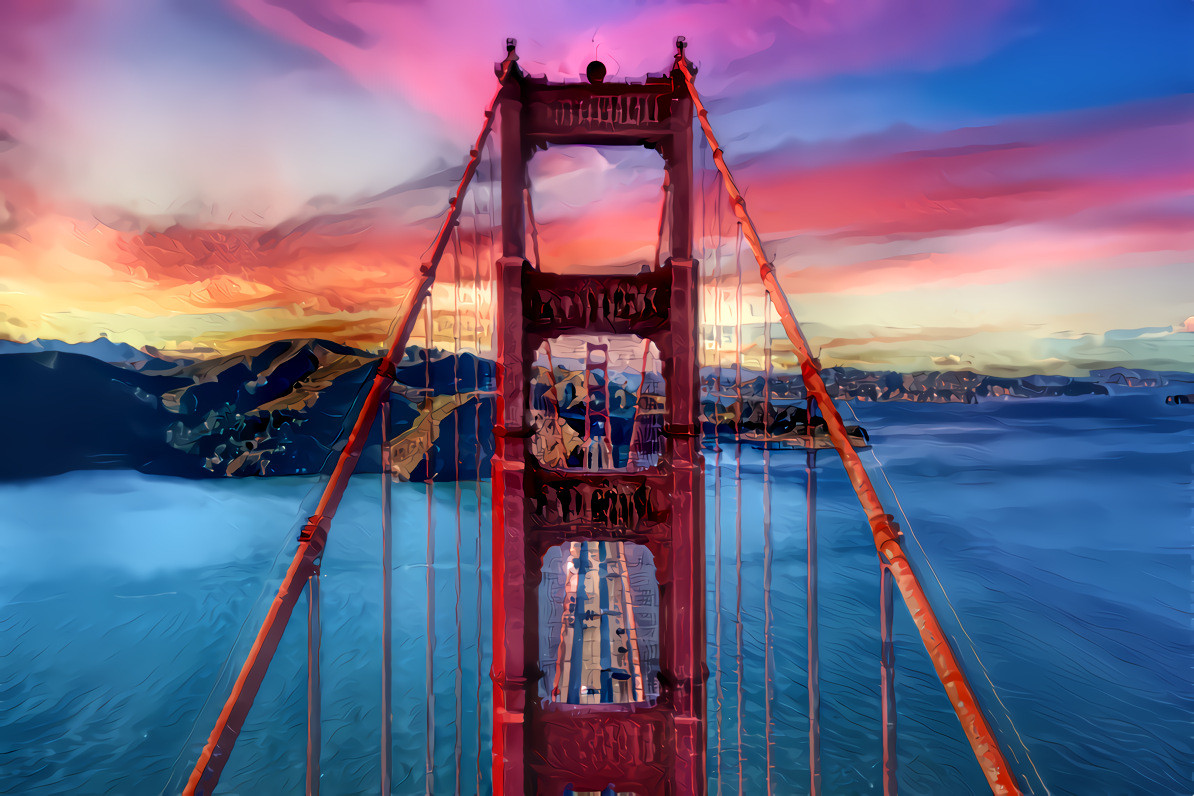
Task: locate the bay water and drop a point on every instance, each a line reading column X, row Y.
column 1057, row 529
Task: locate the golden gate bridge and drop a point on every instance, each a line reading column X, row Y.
column 598, row 655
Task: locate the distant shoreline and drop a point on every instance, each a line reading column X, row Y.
column 279, row 409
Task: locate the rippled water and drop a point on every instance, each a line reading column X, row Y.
column 1060, row 528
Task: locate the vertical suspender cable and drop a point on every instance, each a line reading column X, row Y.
column 662, row 218
column 314, row 700
column 534, row 228
column 767, row 549
column 811, row 609
column 986, row 747
column 213, row 758
column 477, row 491
column 738, row 334
column 458, row 685
column 476, row 435
column 387, row 598
column 887, row 681
column 738, row 635
column 717, row 540
column 429, row 480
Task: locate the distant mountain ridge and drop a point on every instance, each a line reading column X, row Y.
column 101, row 348
column 280, row 408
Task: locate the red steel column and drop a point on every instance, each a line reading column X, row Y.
column 682, row 624
column 679, row 171
column 515, row 623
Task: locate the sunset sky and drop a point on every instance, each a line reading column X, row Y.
column 1000, row 185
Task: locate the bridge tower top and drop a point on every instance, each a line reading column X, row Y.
column 654, row 111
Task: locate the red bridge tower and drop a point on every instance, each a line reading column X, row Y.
column 652, row 746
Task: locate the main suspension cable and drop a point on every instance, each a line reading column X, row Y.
column 957, row 617
column 429, row 464
column 313, row 538
column 983, row 741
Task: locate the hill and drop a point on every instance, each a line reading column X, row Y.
column 280, row 409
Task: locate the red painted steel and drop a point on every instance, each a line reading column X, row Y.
column 511, row 664
column 541, row 747
column 212, row 760
column 554, row 402
column 887, row 538
column 601, row 415
column 633, row 455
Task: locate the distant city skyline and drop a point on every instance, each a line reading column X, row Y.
column 1002, row 185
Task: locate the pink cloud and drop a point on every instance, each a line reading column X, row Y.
column 1045, row 169
column 1012, row 258
column 22, row 65
column 440, row 55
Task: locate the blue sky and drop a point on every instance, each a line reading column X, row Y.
column 985, row 185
